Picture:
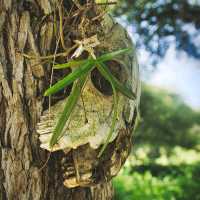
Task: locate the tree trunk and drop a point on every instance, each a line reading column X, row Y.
column 22, row 84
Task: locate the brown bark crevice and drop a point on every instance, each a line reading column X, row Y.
column 21, row 88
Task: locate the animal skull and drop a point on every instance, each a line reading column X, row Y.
column 90, row 121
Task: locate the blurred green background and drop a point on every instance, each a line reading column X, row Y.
column 165, row 159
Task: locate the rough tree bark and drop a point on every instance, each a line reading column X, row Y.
column 21, row 88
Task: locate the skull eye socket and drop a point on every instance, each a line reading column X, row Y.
column 101, row 83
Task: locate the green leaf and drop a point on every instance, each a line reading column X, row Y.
column 110, row 56
column 108, row 75
column 114, row 118
column 69, row 106
column 72, row 63
column 77, row 73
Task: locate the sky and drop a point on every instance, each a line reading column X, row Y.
column 177, row 73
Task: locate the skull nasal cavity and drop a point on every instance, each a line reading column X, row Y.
column 101, row 83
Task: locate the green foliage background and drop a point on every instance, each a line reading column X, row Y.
column 165, row 160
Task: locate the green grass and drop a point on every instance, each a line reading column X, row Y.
column 182, row 184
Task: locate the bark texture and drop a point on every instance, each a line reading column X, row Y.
column 23, row 29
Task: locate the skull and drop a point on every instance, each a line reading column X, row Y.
column 88, row 127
